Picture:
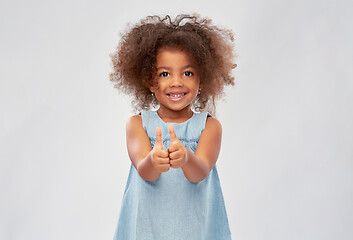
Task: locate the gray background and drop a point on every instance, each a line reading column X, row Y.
column 286, row 160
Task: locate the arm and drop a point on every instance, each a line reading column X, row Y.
column 148, row 162
column 196, row 166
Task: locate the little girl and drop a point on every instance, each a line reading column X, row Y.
column 173, row 190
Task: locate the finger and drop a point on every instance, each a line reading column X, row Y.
column 164, row 167
column 162, row 161
column 159, row 141
column 173, row 136
column 163, row 154
column 175, row 163
column 174, row 155
column 173, row 147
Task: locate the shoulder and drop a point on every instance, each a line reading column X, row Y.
column 213, row 128
column 212, row 124
column 134, row 122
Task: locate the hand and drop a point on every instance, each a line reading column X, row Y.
column 176, row 150
column 160, row 158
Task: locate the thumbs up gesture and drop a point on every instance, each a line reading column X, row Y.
column 176, row 150
column 160, row 158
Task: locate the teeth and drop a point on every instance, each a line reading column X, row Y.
column 176, row 95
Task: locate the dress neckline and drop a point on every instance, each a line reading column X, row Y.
column 193, row 115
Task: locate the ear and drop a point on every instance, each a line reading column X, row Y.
column 151, row 88
column 200, row 82
column 200, row 86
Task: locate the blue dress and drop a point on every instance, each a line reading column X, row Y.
column 172, row 207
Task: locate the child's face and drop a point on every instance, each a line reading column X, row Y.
column 178, row 80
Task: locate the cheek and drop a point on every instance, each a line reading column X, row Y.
column 156, row 84
column 196, row 85
column 160, row 86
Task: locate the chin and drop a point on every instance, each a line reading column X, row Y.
column 180, row 108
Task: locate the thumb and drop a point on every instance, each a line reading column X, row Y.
column 173, row 136
column 159, row 141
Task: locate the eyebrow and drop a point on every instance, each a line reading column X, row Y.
column 168, row 68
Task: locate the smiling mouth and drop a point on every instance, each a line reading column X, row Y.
column 176, row 96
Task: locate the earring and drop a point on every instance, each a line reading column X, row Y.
column 152, row 94
column 199, row 92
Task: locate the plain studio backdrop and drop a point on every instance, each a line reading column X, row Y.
column 286, row 163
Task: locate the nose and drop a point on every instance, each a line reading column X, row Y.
column 176, row 81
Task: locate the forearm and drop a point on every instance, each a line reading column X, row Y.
column 146, row 169
column 196, row 169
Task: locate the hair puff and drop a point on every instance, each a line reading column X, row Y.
column 210, row 46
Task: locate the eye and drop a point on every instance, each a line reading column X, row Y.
column 188, row 73
column 164, row 74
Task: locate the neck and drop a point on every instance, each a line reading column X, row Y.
column 168, row 115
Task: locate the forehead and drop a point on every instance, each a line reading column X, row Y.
column 174, row 56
